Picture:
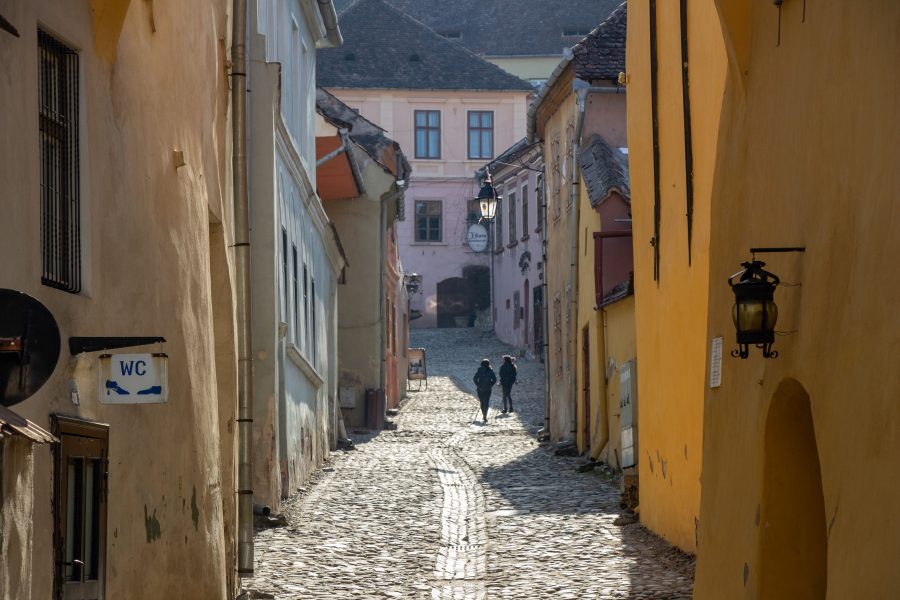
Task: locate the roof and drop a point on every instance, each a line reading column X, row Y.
column 601, row 54
column 14, row 424
column 597, row 54
column 604, row 170
column 620, row 291
column 364, row 133
column 518, row 157
column 504, row 28
column 387, row 49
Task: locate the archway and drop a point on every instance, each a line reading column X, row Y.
column 793, row 542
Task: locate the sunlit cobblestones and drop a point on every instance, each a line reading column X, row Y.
column 444, row 507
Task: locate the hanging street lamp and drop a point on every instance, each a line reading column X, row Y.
column 487, row 201
column 755, row 312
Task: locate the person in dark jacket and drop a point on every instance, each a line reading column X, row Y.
column 508, row 373
column 484, row 379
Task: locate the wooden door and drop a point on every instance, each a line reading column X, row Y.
column 80, row 507
column 586, row 389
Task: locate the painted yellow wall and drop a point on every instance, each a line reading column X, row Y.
column 151, row 263
column 671, row 312
column 556, row 127
column 807, row 160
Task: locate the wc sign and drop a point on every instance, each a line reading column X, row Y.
column 133, row 378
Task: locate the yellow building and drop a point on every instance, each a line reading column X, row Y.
column 580, row 117
column 797, row 500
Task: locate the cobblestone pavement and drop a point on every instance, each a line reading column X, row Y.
column 444, row 507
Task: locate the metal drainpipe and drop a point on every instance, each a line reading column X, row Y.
column 581, row 90
column 242, row 276
column 382, row 219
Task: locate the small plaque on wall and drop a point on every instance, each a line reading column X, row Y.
column 715, row 363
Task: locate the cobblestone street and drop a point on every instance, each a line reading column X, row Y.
column 442, row 506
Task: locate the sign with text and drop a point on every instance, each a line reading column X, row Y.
column 133, row 378
column 417, row 369
column 715, row 363
column 477, row 237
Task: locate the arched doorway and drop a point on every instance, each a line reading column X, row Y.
column 793, row 542
column 454, row 302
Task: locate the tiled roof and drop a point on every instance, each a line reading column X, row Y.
column 367, row 135
column 14, row 424
column 507, row 28
column 601, row 54
column 604, row 170
column 387, row 49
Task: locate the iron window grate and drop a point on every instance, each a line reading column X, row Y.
column 60, row 181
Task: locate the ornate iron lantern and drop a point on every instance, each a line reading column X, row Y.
column 487, row 201
column 755, row 312
column 412, row 281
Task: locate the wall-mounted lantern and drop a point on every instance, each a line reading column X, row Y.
column 755, row 312
column 412, row 282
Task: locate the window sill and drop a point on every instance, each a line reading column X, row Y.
column 525, row 238
column 298, row 359
column 499, row 250
column 429, row 244
column 538, row 230
column 424, row 158
column 512, row 244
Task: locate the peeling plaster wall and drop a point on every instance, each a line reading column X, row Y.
column 146, row 269
column 16, row 514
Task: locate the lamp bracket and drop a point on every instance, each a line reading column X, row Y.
column 768, row 250
column 77, row 345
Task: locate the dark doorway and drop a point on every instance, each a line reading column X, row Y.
column 526, row 300
column 454, row 302
column 80, row 508
column 794, row 542
column 538, row 337
column 586, row 389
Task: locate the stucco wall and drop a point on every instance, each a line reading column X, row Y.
column 804, row 161
column 671, row 312
column 449, row 179
column 513, row 267
column 146, row 262
column 16, row 514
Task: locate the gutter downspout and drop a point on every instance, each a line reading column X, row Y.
column 581, row 89
column 329, row 18
column 382, row 305
column 241, row 201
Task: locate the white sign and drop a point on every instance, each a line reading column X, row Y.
column 477, row 237
column 715, row 363
column 133, row 378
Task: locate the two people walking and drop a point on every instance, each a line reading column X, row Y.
column 485, row 379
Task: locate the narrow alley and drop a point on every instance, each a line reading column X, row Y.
column 439, row 505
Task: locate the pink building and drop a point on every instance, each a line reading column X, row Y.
column 453, row 111
column 518, row 273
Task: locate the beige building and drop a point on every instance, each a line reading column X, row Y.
column 362, row 177
column 115, row 195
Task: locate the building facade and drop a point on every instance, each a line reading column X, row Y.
column 580, row 100
column 296, row 257
column 120, row 225
column 794, row 447
column 451, row 110
column 517, row 269
column 363, row 176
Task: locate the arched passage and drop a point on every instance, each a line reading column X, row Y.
column 793, row 543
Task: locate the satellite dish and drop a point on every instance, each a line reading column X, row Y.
column 29, row 346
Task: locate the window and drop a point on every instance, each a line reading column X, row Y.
column 539, row 190
column 524, row 211
column 296, row 295
column 306, row 305
column 511, row 226
column 428, row 133
column 284, row 275
column 481, row 134
column 312, row 311
column 517, row 303
column 80, row 507
column 498, row 223
column 428, row 221
column 555, row 177
column 60, row 202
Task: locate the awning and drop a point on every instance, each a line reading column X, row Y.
column 13, row 424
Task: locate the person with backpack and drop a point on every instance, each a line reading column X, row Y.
column 484, row 379
column 508, row 373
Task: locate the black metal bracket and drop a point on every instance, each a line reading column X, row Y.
column 778, row 249
column 77, row 345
